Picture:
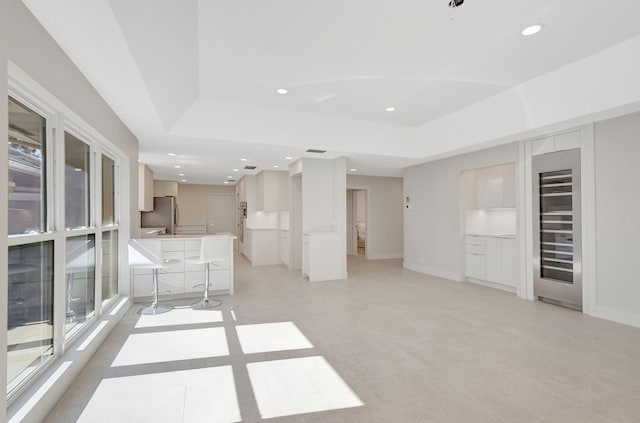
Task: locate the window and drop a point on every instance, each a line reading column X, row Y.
column 55, row 195
column 80, row 270
column 30, row 309
column 77, row 187
column 27, row 161
column 109, row 264
column 108, row 191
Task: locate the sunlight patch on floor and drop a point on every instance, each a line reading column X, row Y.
column 267, row 337
column 198, row 395
column 180, row 316
column 299, row 385
column 159, row 347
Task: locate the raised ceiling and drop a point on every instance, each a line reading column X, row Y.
column 198, row 77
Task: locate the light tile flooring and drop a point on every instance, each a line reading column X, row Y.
column 386, row 345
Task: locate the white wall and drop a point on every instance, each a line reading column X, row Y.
column 26, row 44
column 433, row 238
column 617, row 162
column 385, row 214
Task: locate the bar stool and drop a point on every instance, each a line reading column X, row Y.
column 212, row 249
column 147, row 254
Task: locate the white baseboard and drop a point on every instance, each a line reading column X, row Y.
column 624, row 317
column 506, row 288
column 453, row 276
column 385, row 256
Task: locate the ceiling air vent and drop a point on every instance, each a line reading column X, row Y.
column 249, row 167
column 231, row 180
column 313, row 150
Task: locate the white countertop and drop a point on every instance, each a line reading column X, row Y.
column 194, row 236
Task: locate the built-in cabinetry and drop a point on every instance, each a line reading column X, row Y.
column 495, row 187
column 165, row 189
column 145, row 188
column 272, row 190
column 181, row 278
column 492, row 259
column 319, row 261
column 560, row 142
column 261, row 246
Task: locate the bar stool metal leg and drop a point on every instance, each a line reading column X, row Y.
column 206, row 302
column 155, row 307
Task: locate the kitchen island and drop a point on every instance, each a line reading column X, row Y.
column 179, row 280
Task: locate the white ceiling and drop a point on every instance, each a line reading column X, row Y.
column 198, row 77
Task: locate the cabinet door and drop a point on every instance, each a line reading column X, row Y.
column 260, row 191
column 219, row 280
column 509, row 262
column 509, row 186
column 495, row 186
column 482, row 189
column 475, row 265
column 493, row 260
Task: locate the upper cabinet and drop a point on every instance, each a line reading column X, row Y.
column 145, row 188
column 272, row 188
column 495, row 187
column 165, row 189
column 560, row 142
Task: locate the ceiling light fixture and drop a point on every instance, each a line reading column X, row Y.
column 180, row 174
column 77, row 169
column 171, row 154
column 276, row 166
column 229, row 177
column 226, row 182
column 353, row 169
column 183, row 180
column 236, row 170
column 288, row 158
column 282, row 91
column 243, row 159
column 531, row 30
column 390, row 109
column 177, row 166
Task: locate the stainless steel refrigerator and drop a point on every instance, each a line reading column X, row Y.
column 164, row 215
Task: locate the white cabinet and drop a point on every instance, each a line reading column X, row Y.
column 261, row 246
column 560, row 142
column 492, row 259
column 272, row 190
column 145, row 188
column 183, row 278
column 495, row 187
column 284, row 247
column 165, row 189
column 321, row 256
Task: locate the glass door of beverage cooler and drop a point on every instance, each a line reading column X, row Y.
column 557, row 228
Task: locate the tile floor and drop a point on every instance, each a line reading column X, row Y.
column 386, row 345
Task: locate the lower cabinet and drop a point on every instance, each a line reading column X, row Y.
column 491, row 259
column 181, row 277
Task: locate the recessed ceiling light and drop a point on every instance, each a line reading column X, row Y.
column 77, row 169
column 288, row 158
column 243, row 159
column 276, row 166
column 226, row 182
column 229, row 177
column 177, row 166
column 282, row 91
column 531, row 30
column 180, row 174
column 353, row 169
column 183, row 180
column 236, row 170
column 171, row 154
column 390, row 109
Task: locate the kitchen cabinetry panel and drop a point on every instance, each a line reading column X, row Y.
column 492, row 259
column 495, row 187
column 272, row 190
column 145, row 188
column 165, row 189
column 560, row 142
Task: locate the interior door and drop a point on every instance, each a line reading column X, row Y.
column 221, row 213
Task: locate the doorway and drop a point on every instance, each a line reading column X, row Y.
column 357, row 222
column 221, row 213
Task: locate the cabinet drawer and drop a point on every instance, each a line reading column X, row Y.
column 475, row 265
column 173, row 245
column 192, row 245
column 475, row 249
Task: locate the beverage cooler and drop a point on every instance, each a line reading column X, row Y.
column 557, row 228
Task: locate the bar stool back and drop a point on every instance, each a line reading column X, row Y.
column 213, row 250
column 147, row 254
